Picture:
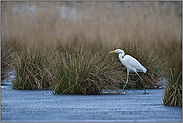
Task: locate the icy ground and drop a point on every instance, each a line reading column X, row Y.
column 43, row 106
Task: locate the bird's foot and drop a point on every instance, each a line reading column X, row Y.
column 122, row 92
column 145, row 93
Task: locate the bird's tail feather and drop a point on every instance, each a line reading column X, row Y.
column 144, row 69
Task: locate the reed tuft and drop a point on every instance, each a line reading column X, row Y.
column 173, row 90
column 29, row 65
column 82, row 72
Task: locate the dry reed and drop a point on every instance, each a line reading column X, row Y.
column 72, row 34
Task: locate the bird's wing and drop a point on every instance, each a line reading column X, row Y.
column 134, row 63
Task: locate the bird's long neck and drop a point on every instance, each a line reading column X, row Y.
column 121, row 58
column 121, row 55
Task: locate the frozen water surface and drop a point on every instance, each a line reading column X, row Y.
column 43, row 106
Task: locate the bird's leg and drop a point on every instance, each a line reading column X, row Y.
column 126, row 80
column 142, row 83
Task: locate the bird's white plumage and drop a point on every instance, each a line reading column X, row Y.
column 131, row 64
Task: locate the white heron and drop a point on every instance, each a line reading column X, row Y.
column 131, row 64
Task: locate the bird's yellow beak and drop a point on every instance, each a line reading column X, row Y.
column 113, row 51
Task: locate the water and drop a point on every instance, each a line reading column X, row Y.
column 43, row 106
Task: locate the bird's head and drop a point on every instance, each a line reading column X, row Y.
column 117, row 51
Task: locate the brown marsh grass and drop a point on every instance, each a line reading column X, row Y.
column 173, row 90
column 82, row 72
column 73, row 34
column 108, row 23
column 30, row 70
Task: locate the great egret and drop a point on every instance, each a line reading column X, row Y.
column 131, row 64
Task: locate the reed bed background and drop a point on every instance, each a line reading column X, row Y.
column 64, row 46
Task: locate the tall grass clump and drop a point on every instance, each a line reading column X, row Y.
column 8, row 49
column 173, row 90
column 6, row 60
column 82, row 72
column 29, row 70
